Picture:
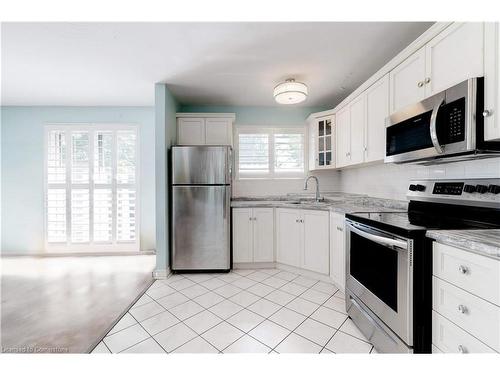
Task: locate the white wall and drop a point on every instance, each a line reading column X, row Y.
column 391, row 181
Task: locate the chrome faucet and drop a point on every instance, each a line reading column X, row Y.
column 318, row 196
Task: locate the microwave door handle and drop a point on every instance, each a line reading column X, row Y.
column 379, row 239
column 434, row 137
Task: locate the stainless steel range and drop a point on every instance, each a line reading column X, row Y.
column 389, row 259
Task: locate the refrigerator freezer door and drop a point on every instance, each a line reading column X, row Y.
column 201, row 165
column 201, row 228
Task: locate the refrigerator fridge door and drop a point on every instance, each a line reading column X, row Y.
column 201, row 165
column 201, row 228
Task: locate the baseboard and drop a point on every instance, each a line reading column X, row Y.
column 253, row 265
column 161, row 274
column 303, row 272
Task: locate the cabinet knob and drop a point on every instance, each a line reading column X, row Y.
column 486, row 113
column 462, row 349
column 340, row 229
column 463, row 309
column 420, row 84
column 463, row 269
column 427, row 80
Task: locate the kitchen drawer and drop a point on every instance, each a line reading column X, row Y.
column 475, row 273
column 473, row 314
column 449, row 338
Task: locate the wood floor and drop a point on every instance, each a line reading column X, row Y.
column 66, row 304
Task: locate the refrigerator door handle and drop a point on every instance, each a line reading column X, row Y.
column 224, row 206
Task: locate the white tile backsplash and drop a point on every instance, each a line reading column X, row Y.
column 391, row 180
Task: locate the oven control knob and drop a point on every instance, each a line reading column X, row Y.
column 413, row 187
column 481, row 189
column 420, row 187
column 494, row 189
column 469, row 188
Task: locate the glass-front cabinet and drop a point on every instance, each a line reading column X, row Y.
column 322, row 143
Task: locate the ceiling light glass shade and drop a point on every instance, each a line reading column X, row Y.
column 290, row 92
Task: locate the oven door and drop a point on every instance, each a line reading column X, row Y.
column 380, row 274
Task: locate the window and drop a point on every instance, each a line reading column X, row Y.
column 270, row 152
column 91, row 187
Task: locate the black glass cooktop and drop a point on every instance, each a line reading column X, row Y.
column 423, row 215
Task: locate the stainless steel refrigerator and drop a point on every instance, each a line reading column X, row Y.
column 200, row 208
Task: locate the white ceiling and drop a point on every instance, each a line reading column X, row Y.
column 204, row 63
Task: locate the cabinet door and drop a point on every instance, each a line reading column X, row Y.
column 407, row 81
column 191, row 131
column 343, row 139
column 377, row 110
column 313, row 145
column 316, row 250
column 453, row 56
column 492, row 81
column 242, row 235
column 218, row 131
column 358, row 123
column 288, row 236
column 337, row 250
column 263, row 235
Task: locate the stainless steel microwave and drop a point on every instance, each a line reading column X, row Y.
column 445, row 127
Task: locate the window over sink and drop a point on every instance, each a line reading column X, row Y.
column 270, row 153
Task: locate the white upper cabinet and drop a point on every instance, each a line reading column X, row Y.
column 453, row 56
column 407, row 84
column 218, row 131
column 322, row 143
column 357, row 129
column 343, row 139
column 191, row 131
column 205, row 129
column 377, row 110
column 492, row 81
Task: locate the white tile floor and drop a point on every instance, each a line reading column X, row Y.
column 244, row 311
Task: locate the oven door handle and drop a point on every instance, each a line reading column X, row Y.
column 385, row 241
column 433, row 130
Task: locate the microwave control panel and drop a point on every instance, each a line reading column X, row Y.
column 451, row 122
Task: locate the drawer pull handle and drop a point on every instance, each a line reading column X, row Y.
column 462, row 349
column 463, row 309
column 463, row 269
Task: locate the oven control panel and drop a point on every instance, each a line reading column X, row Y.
column 482, row 191
column 448, row 188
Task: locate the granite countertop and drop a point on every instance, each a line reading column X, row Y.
column 480, row 241
column 334, row 202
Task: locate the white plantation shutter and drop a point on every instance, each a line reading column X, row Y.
column 270, row 152
column 253, row 155
column 91, row 187
column 289, row 153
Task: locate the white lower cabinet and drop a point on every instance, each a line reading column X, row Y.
column 466, row 311
column 302, row 239
column 315, row 254
column 337, row 250
column 253, row 235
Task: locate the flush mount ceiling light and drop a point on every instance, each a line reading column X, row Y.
column 290, row 92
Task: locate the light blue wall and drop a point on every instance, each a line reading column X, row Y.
column 276, row 116
column 166, row 107
column 22, row 176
